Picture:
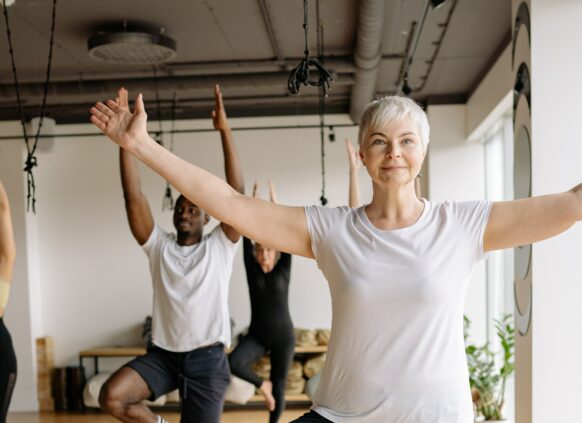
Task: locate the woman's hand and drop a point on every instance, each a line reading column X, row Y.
column 116, row 121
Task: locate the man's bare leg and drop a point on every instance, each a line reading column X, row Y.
column 123, row 394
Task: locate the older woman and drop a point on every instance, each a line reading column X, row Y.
column 397, row 268
column 7, row 255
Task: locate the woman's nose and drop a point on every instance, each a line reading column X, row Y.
column 392, row 151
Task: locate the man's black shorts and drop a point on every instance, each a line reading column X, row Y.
column 201, row 376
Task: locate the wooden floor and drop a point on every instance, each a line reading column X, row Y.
column 229, row 416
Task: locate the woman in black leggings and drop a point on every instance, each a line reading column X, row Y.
column 271, row 329
column 7, row 356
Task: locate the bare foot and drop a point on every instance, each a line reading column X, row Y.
column 267, row 390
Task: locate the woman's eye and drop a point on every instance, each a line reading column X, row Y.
column 378, row 141
column 407, row 141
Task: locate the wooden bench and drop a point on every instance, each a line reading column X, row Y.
column 131, row 352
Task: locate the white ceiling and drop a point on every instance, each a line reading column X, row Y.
column 229, row 42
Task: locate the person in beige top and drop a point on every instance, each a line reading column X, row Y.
column 7, row 256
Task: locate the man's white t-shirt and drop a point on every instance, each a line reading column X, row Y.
column 396, row 353
column 190, row 306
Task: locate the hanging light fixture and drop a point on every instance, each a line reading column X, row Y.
column 132, row 46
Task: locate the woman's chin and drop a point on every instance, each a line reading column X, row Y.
column 394, row 181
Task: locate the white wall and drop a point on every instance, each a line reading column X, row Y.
column 556, row 158
column 492, row 98
column 456, row 172
column 93, row 278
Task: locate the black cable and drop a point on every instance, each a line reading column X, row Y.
column 322, row 96
column 160, row 134
column 31, row 160
column 15, row 76
column 323, row 199
column 300, row 74
column 168, row 200
column 173, row 124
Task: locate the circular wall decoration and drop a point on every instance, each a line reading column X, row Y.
column 522, row 189
column 522, row 173
column 521, row 18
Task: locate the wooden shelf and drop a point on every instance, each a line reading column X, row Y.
column 309, row 350
column 288, row 398
column 113, row 352
column 137, row 351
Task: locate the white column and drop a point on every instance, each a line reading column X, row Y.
column 548, row 356
column 557, row 166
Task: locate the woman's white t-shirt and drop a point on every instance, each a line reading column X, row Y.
column 396, row 353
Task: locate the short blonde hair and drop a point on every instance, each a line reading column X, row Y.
column 393, row 108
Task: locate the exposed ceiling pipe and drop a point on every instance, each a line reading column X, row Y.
column 368, row 54
column 33, row 91
column 335, row 63
column 288, row 106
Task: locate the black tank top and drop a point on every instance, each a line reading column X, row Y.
column 269, row 293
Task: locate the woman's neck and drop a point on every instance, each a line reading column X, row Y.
column 394, row 208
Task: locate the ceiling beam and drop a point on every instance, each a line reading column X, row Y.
column 200, row 83
column 271, row 29
column 196, row 108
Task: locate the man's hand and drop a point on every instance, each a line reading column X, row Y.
column 219, row 114
column 272, row 192
column 256, row 190
column 118, row 123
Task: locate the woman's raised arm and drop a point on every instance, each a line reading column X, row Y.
column 275, row 225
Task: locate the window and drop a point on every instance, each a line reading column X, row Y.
column 498, row 152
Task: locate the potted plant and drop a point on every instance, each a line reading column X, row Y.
column 488, row 372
